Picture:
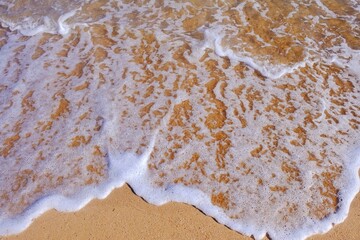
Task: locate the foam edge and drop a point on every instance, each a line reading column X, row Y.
column 212, row 40
column 132, row 169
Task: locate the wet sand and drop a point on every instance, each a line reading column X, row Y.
column 123, row 215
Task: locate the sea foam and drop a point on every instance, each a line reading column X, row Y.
column 186, row 107
column 213, row 40
column 132, row 169
column 36, row 18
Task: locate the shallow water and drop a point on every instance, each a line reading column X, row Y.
column 248, row 110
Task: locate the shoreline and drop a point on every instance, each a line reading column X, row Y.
column 124, row 215
column 218, row 112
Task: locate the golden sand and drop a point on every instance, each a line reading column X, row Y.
column 123, row 215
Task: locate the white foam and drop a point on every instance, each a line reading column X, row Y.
column 128, row 167
column 63, row 27
column 123, row 167
column 180, row 193
column 133, row 169
column 30, row 27
column 213, row 40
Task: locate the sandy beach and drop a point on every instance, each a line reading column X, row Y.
column 123, row 215
column 250, row 108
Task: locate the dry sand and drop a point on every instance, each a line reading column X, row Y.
column 123, row 215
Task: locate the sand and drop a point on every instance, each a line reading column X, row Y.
column 124, row 215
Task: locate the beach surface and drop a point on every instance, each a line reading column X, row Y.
column 247, row 111
column 123, row 215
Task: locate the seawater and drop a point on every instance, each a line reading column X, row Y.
column 248, row 110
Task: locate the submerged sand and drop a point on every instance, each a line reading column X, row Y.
column 308, row 121
column 123, row 215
